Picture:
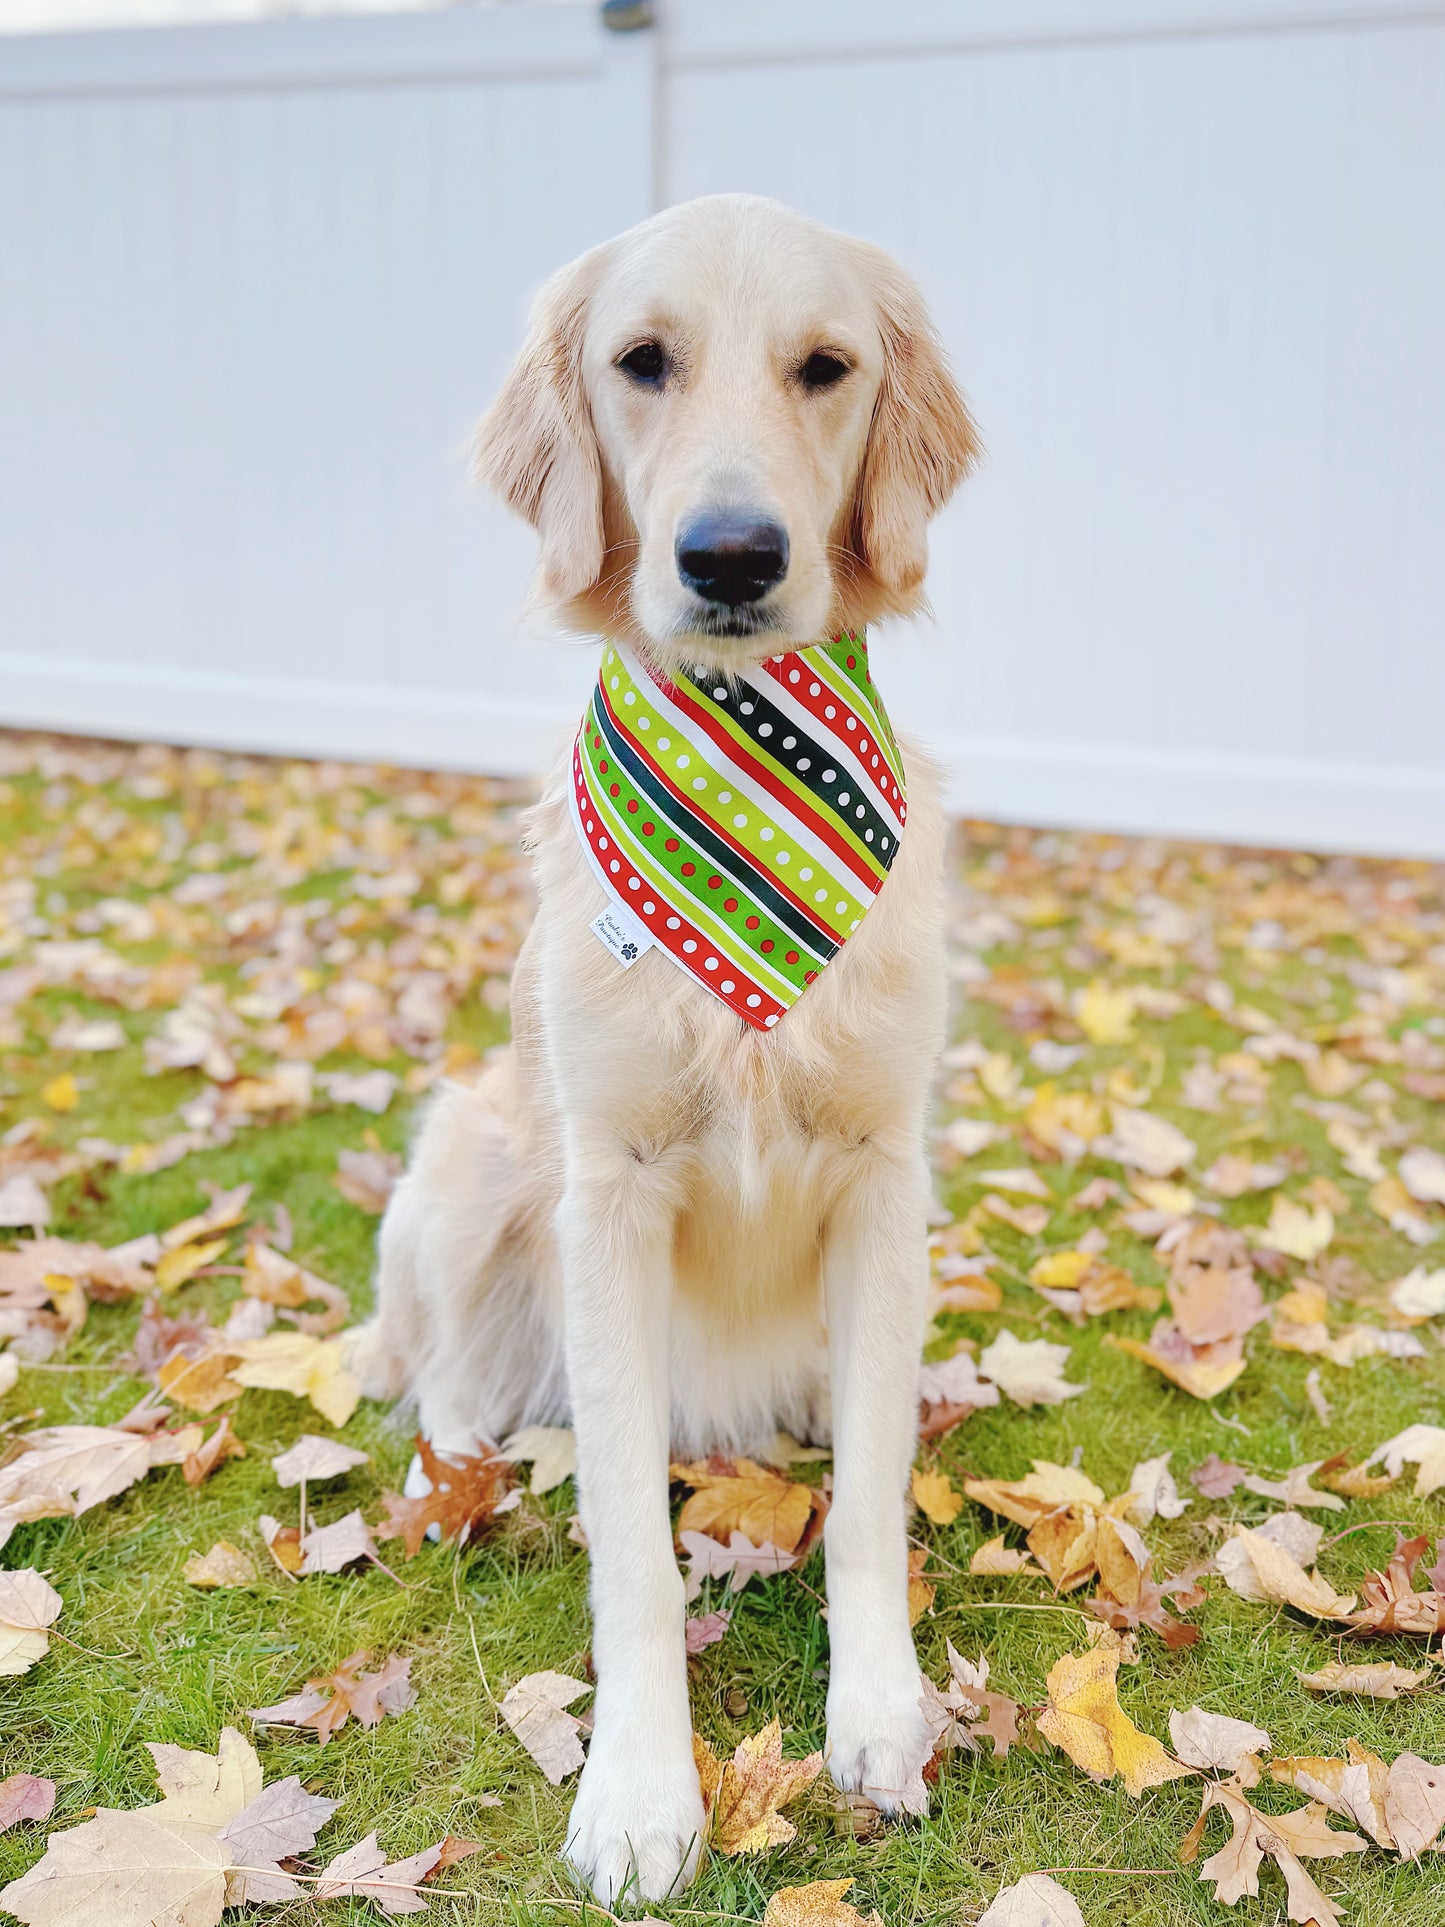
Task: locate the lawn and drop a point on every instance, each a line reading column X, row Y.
column 203, row 918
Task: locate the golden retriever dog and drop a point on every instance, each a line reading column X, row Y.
column 649, row 1220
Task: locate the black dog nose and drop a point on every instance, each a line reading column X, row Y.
column 732, row 558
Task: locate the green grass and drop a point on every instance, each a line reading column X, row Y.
column 146, row 1657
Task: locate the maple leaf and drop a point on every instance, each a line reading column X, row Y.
column 1204, row 1371
column 1030, row 1372
column 1218, row 1744
column 744, row 1795
column 200, row 1380
column 223, row 1565
column 741, row 1496
column 738, row 1561
column 1085, row 1720
column 276, row 1279
column 327, row 1702
column 465, row 1492
column 64, row 1470
column 313, row 1457
column 965, row 1711
column 536, row 1711
column 1294, row 1489
column 1133, row 1598
column 955, row 1381
column 936, row 1496
column 819, row 1904
column 223, row 1444
column 29, row 1605
column 1035, row 1901
column 1149, row 1143
column 24, row 1796
column 1295, row 1230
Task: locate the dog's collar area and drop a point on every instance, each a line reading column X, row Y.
column 746, row 823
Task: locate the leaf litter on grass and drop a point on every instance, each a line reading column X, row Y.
column 1198, row 1075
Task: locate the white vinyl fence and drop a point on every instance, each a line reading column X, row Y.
column 256, row 281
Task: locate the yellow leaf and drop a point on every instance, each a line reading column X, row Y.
column 1085, row 1720
column 1045, row 1489
column 178, row 1267
column 750, row 1499
column 1105, row 1012
column 1296, row 1232
column 819, row 1904
column 746, row 1792
column 223, row 1565
column 1203, row 1377
column 1061, row 1269
column 201, row 1383
column 936, row 1496
column 994, row 1559
column 61, row 1093
column 309, row 1367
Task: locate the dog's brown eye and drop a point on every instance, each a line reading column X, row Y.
column 822, row 370
column 646, row 362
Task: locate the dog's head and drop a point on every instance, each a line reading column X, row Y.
column 730, row 428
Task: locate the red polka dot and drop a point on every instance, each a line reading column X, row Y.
column 766, row 944
column 614, row 789
column 752, row 923
column 689, row 869
column 731, row 905
column 792, row 956
column 714, row 883
column 852, row 662
column 810, row 976
column 648, row 828
column 671, row 843
column 597, row 742
column 602, row 765
column 632, row 807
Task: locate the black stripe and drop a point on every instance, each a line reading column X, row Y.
column 819, row 942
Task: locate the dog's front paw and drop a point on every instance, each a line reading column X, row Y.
column 636, row 1829
column 879, row 1743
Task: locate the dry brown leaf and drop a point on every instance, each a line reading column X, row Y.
column 24, row 1796
column 1216, row 1478
column 1029, row 1371
column 1085, row 1720
column 64, row 1470
column 326, row 1703
column 1202, row 1371
column 314, row 1458
column 1035, row 1901
column 1258, row 1568
column 536, row 1710
column 29, row 1605
column 1390, row 1602
column 223, row 1444
column 1065, row 1543
column 465, row 1493
column 223, row 1565
column 739, row 1561
column 993, row 1559
column 1047, row 1488
column 741, row 1496
column 367, row 1178
column 1217, row 1744
column 201, row 1382
column 744, row 1795
column 1381, row 1680
column 332, row 1548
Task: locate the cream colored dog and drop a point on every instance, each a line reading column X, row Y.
column 648, row 1220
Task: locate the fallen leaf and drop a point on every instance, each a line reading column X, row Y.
column 1048, row 1488
column 1420, row 1293
column 1035, row 1901
column 311, row 1368
column 536, row 1711
column 1414, row 1804
column 1105, row 1012
column 464, row 1494
column 29, row 1605
column 955, row 1381
column 1381, row 1680
column 936, row 1496
column 1295, row 1490
column 1296, row 1231
column 738, row 1561
column 368, row 1178
column 61, row 1093
column 1218, row 1744
column 1422, row 1172
column 313, row 1458
column 1148, row 1143
column 1085, row 1720
column 328, row 1701
column 1420, row 1445
column 744, row 1795
column 551, row 1451
column 1216, row 1478
column 741, row 1496
column 1030, row 1372
column 994, row 1559
column 364, row 1872
column 25, row 1797
column 223, row 1565
column 1152, row 1492
column 197, row 1466
column 64, row 1470
column 22, row 1202
column 819, row 1904
column 1256, row 1568
column 331, row 1548
column 1202, row 1371
column 701, row 1630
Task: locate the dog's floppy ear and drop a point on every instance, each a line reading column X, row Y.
column 536, row 448
column 921, row 444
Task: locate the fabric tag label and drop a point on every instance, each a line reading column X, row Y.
column 623, row 935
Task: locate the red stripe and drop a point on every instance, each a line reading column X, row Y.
column 746, row 857
column 620, row 883
column 882, row 777
column 792, row 800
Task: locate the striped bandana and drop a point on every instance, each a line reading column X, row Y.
column 744, row 827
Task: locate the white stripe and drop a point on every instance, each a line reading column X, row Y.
column 775, row 812
column 837, row 747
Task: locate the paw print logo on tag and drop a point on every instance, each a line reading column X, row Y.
column 629, row 951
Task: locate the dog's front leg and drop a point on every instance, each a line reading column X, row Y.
column 875, row 1274
column 636, row 1825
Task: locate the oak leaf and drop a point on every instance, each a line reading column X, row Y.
column 737, row 1562
column 465, row 1492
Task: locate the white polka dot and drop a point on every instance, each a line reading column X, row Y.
column 674, row 923
column 614, row 866
column 804, row 762
column 719, row 695
column 864, row 745
column 840, row 909
column 853, row 724
column 699, row 782
column 868, row 836
column 820, row 896
column 806, row 875
column 792, row 676
column 844, row 797
column 644, row 722
column 885, row 842
column 664, row 742
column 766, row 834
column 689, row 945
column 854, row 925
column 682, row 761
column 828, row 777
column 782, row 857
column 777, row 659
column 727, row 987
column 790, row 742
column 768, row 1022
column 754, row 1000
column 616, row 682
column 830, row 712
column 633, row 883
column 590, row 826
column 813, row 689
column 874, row 763
column 724, row 796
column 649, row 908
column 603, row 844
column 709, row 963
column 740, row 822
column 765, row 729
column 746, row 708
column 630, row 697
